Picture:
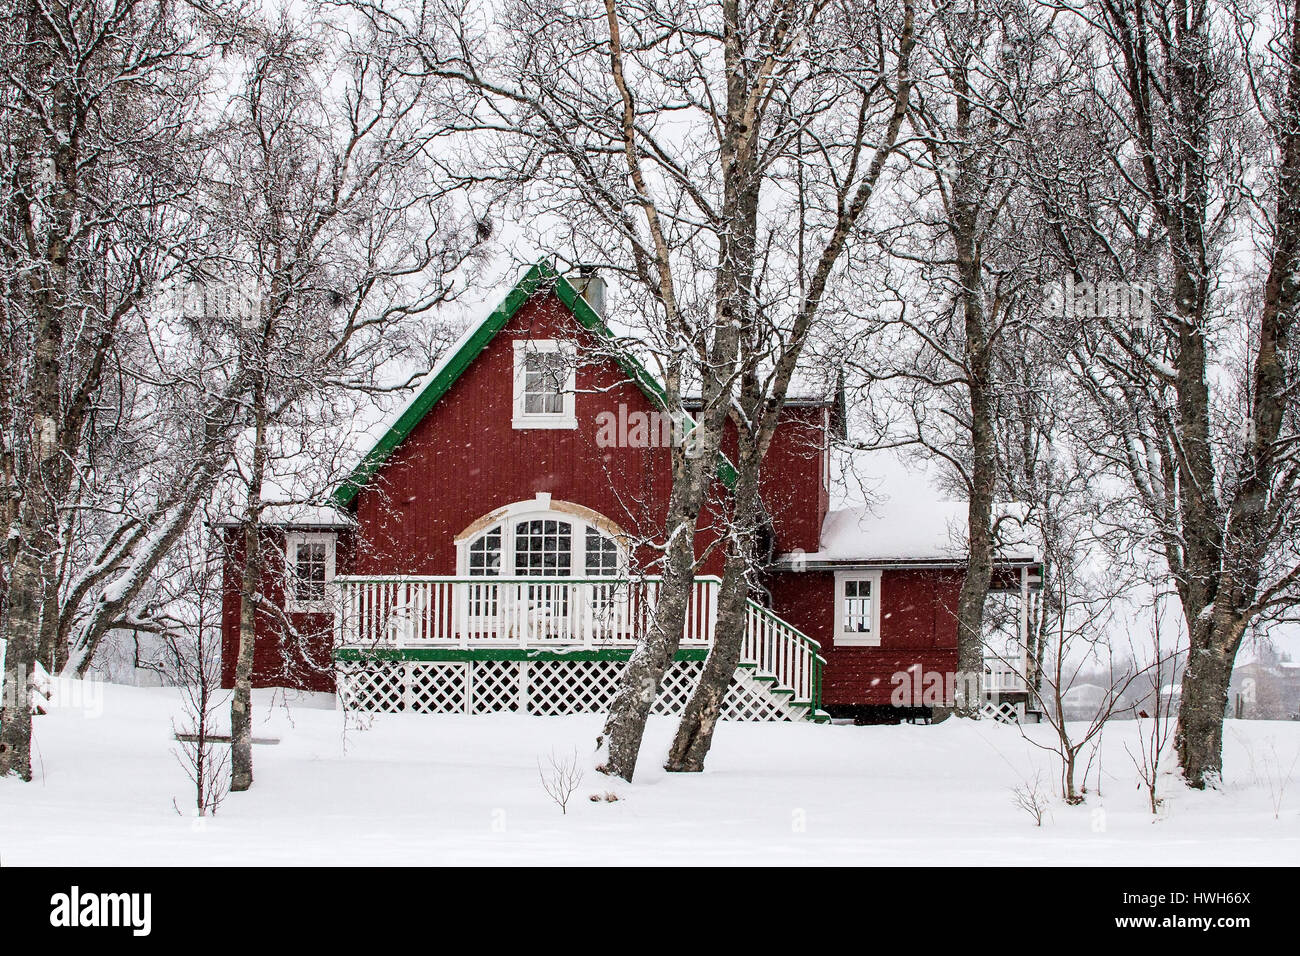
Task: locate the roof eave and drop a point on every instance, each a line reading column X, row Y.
column 787, row 563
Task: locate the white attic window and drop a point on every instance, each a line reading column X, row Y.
column 544, row 384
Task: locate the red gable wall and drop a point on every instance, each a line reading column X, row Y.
column 464, row 460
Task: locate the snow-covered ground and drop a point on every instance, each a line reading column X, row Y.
column 433, row 790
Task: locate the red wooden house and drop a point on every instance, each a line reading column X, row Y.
column 488, row 552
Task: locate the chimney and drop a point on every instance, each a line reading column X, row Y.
column 591, row 287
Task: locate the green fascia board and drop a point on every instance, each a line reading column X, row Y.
column 365, row 655
column 541, row 276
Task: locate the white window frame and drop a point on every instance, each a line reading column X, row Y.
column 856, row 638
column 291, row 542
column 564, row 419
column 578, row 543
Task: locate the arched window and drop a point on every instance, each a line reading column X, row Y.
column 554, row 548
column 543, row 544
column 485, row 553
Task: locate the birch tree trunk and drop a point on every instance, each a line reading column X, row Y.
column 695, row 729
column 973, row 596
column 1267, row 473
column 693, row 473
column 250, row 590
column 964, row 223
column 694, row 470
column 22, row 632
column 28, row 584
column 638, row 685
column 47, row 287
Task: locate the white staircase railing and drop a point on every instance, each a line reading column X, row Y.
column 787, row 654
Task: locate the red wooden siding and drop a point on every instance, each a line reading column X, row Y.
column 793, row 485
column 280, row 659
column 464, row 459
column 917, row 629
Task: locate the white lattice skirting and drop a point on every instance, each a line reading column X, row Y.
column 1004, row 712
column 540, row 687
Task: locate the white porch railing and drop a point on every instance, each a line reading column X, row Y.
column 569, row 613
column 1001, row 677
column 508, row 612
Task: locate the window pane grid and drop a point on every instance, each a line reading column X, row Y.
column 857, row 607
column 485, row 554
column 543, row 548
column 309, row 571
column 544, row 379
column 602, row 555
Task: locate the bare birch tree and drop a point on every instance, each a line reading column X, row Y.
column 97, row 98
column 1200, row 409
column 647, row 128
column 839, row 174
column 649, row 136
column 338, row 228
column 961, row 279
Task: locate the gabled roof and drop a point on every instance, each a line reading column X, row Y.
column 539, row 279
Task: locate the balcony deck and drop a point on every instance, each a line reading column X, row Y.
column 455, row 619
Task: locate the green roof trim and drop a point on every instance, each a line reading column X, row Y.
column 541, row 277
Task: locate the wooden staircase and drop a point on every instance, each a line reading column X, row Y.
column 784, row 662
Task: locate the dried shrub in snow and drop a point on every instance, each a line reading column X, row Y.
column 1032, row 798
column 560, row 778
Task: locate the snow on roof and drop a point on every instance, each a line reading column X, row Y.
column 908, row 519
column 897, row 531
column 298, row 516
column 809, row 396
